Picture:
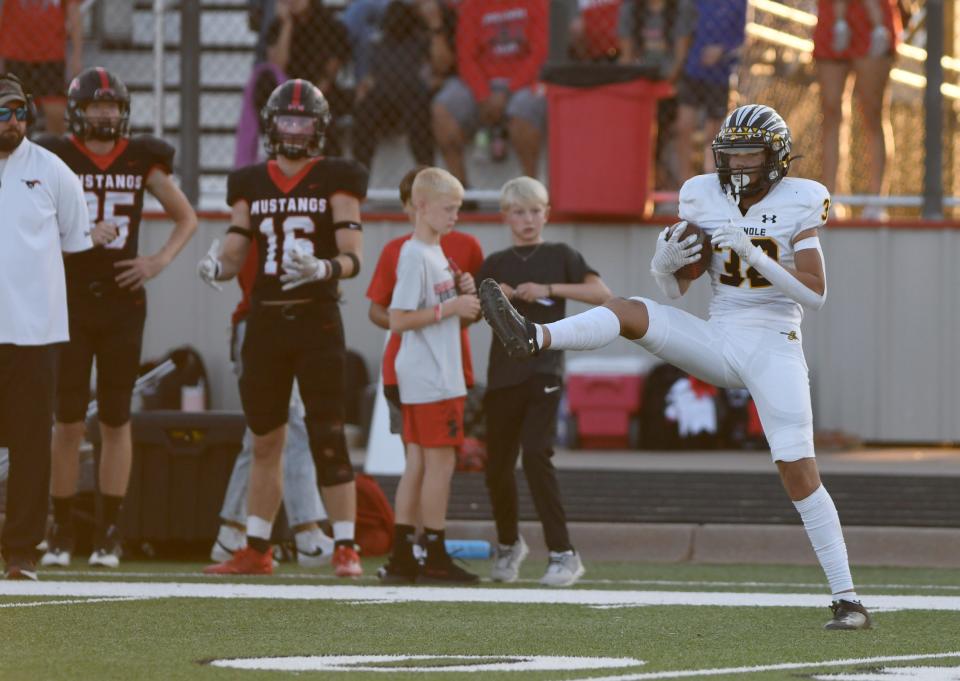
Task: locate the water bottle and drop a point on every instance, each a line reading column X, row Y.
column 469, row 549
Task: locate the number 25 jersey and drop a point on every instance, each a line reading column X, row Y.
column 285, row 211
column 740, row 293
column 113, row 185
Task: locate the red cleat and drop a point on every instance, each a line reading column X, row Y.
column 346, row 562
column 245, row 561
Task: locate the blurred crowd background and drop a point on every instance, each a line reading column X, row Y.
column 459, row 82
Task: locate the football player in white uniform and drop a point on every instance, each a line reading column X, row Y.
column 766, row 266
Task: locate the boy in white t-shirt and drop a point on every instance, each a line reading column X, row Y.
column 428, row 311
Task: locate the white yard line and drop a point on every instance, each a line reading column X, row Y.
column 326, row 577
column 588, row 597
column 768, row 667
column 80, row 601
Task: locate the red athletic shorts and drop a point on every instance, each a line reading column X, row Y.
column 860, row 29
column 434, row 424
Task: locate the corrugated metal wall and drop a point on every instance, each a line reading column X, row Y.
column 884, row 353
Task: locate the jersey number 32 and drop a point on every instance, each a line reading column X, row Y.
column 733, row 274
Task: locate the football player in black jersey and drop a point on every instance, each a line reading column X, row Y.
column 303, row 210
column 105, row 295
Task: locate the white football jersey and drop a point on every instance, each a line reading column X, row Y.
column 739, row 291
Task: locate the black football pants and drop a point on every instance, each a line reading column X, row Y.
column 525, row 416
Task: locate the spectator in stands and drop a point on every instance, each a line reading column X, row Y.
column 313, row 44
column 260, row 14
column 440, row 18
column 33, row 45
column 362, row 19
column 704, row 86
column 500, row 49
column 857, row 37
column 657, row 34
column 263, row 79
column 395, row 94
column 593, row 31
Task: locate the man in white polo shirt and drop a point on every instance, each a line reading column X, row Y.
column 42, row 213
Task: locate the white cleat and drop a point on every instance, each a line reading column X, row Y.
column 564, row 569
column 507, row 561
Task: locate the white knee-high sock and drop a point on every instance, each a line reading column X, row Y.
column 822, row 524
column 586, row 331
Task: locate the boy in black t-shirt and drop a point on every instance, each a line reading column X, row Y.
column 522, row 397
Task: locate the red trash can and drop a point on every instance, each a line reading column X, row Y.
column 600, row 141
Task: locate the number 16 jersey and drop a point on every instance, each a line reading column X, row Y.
column 741, row 293
column 286, row 211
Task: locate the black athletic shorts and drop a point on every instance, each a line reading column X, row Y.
column 43, row 80
column 699, row 94
column 283, row 342
column 107, row 323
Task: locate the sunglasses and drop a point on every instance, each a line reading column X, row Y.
column 6, row 113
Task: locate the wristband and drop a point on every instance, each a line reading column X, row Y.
column 347, row 224
column 336, row 269
column 438, row 312
column 242, row 231
column 355, row 261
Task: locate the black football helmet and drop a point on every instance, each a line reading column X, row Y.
column 294, row 120
column 97, row 85
column 752, row 128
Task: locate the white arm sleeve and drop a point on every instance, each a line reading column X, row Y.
column 785, row 282
column 668, row 284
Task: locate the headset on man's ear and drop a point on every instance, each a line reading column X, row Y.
column 28, row 103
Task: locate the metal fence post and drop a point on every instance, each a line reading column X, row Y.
column 159, row 69
column 560, row 15
column 933, row 114
column 190, row 99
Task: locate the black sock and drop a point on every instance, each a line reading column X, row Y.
column 111, row 509
column 436, row 548
column 63, row 512
column 258, row 544
column 350, row 543
column 403, row 538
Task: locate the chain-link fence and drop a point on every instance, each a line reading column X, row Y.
column 456, row 83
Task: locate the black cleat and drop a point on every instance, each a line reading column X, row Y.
column 516, row 332
column 398, row 572
column 445, row 572
column 848, row 615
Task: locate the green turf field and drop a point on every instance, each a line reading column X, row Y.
column 166, row 621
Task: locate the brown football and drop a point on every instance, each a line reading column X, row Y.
column 696, row 269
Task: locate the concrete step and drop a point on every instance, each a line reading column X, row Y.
column 717, row 543
column 618, row 496
column 227, row 28
column 222, row 70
